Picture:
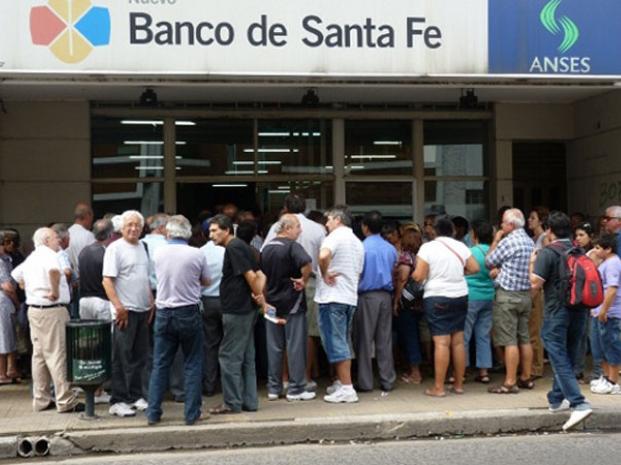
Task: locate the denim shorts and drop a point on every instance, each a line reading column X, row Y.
column 335, row 322
column 606, row 340
column 446, row 316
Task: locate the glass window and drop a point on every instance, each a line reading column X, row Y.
column 378, row 147
column 146, row 197
column 294, row 147
column 393, row 200
column 455, row 148
column 214, row 147
column 127, row 148
column 469, row 199
column 319, row 195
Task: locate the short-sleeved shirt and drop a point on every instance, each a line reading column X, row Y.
column 446, row 270
column 235, row 293
column 5, row 277
column 480, row 285
column 80, row 237
column 513, row 257
column 547, row 268
column 179, row 269
column 215, row 260
column 34, row 272
column 90, row 264
column 128, row 264
column 610, row 271
column 380, row 257
column 153, row 242
column 282, row 260
column 347, row 261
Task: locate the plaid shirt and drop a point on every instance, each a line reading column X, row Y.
column 512, row 256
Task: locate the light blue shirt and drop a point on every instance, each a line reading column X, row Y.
column 215, row 259
column 379, row 262
column 153, row 242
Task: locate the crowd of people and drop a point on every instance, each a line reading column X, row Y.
column 193, row 307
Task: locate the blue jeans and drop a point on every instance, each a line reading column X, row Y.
column 606, row 344
column 335, row 322
column 561, row 334
column 479, row 322
column 408, row 335
column 174, row 327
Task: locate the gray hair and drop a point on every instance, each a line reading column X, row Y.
column 615, row 211
column 515, row 217
column 342, row 213
column 288, row 220
column 159, row 220
column 179, row 226
column 102, row 230
column 61, row 229
column 129, row 214
column 41, row 235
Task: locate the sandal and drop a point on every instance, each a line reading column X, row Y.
column 503, row 389
column 430, row 393
column 5, row 380
column 221, row 410
column 526, row 383
column 407, row 379
column 485, row 379
column 454, row 390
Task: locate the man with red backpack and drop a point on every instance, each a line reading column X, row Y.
column 563, row 326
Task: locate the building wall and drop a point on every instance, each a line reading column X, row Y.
column 594, row 155
column 44, row 162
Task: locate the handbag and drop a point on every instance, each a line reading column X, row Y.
column 412, row 294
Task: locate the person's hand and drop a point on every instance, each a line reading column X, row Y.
column 494, row 272
column 259, row 299
column 52, row 296
column 330, row 278
column 603, row 316
column 151, row 315
column 396, row 307
column 298, row 284
column 122, row 316
column 499, row 235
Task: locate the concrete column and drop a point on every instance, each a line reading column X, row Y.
column 170, row 165
column 503, row 173
column 338, row 159
column 418, row 188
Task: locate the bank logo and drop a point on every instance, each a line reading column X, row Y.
column 70, row 28
column 567, row 26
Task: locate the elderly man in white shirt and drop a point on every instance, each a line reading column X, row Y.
column 47, row 295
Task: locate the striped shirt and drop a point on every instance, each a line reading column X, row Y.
column 512, row 256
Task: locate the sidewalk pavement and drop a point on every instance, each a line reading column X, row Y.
column 403, row 413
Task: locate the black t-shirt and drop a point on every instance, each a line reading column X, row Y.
column 90, row 264
column 235, row 293
column 281, row 260
column 547, row 267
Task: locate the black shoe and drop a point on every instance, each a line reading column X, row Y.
column 153, row 422
column 79, row 407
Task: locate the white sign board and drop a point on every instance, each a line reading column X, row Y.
column 245, row 37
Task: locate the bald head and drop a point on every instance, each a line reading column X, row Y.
column 289, row 226
column 83, row 215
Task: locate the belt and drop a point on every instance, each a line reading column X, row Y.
column 41, row 307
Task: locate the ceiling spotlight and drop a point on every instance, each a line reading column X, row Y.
column 148, row 98
column 310, row 98
column 469, row 100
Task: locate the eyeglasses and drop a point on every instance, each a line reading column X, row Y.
column 608, row 218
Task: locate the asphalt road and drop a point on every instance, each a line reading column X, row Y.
column 561, row 449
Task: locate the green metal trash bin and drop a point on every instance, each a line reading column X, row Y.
column 89, row 352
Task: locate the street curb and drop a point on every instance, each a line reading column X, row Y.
column 317, row 430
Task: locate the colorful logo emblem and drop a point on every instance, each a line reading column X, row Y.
column 70, row 28
column 570, row 30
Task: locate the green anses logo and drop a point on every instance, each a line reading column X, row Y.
column 569, row 28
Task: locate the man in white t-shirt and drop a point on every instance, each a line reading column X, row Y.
column 126, row 282
column 341, row 260
column 80, row 232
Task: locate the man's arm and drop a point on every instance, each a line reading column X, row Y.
column 325, row 258
column 609, row 298
column 300, row 283
column 256, row 280
column 54, row 275
column 121, row 312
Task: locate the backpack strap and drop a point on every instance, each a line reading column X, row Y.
column 461, row 260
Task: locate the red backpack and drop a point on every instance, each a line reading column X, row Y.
column 580, row 281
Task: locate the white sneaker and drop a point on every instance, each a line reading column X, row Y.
column 342, row 395
column 616, row 390
column 311, row 386
column 121, row 409
column 335, row 386
column 577, row 416
column 140, row 405
column 304, row 395
column 595, row 382
column 563, row 406
column 605, row 387
column 271, row 396
column 103, row 398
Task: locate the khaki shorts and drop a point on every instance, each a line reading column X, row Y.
column 311, row 308
column 510, row 318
